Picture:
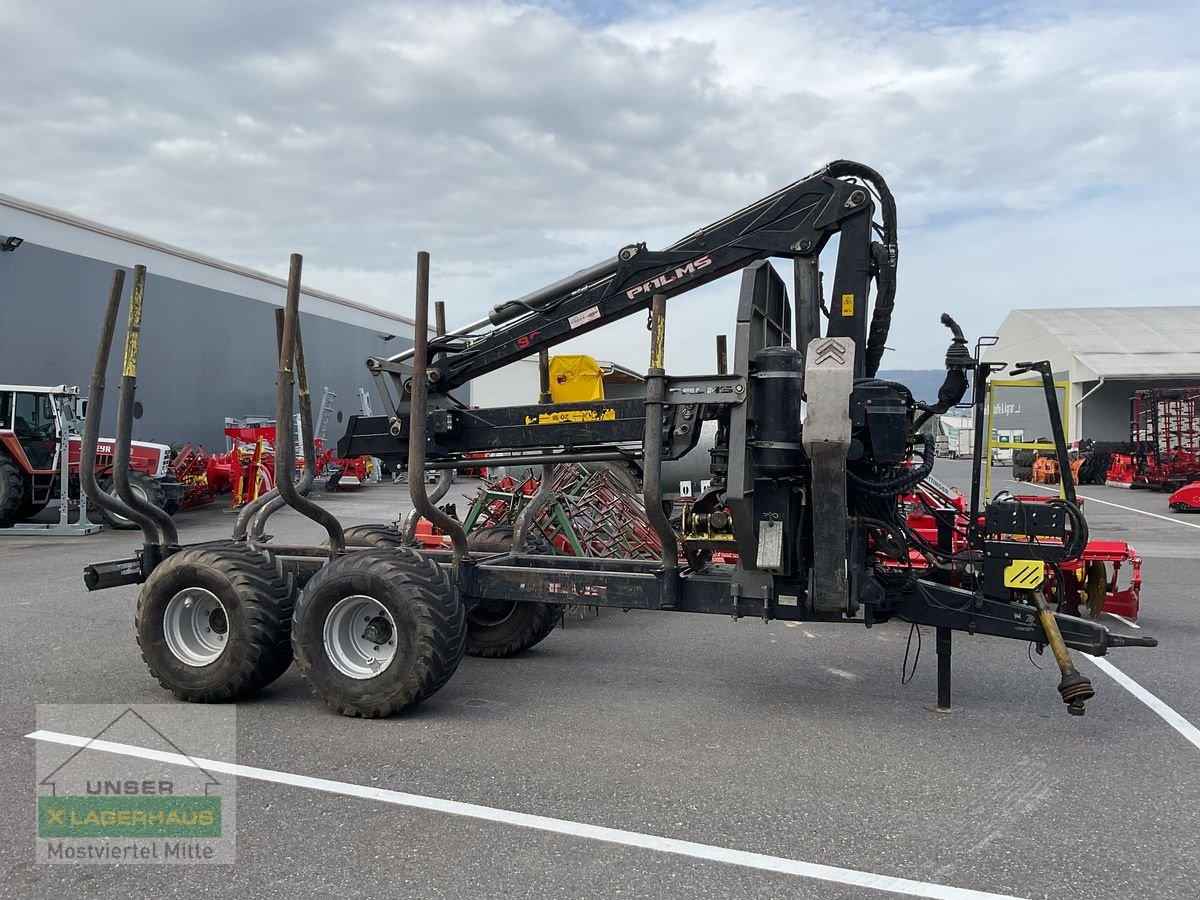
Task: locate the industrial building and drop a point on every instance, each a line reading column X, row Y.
column 208, row 346
column 1105, row 354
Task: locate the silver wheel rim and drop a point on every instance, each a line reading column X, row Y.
column 360, row 637
column 138, row 491
column 196, row 626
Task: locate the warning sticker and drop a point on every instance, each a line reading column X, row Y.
column 847, row 304
column 582, row 318
column 1024, row 574
column 572, row 415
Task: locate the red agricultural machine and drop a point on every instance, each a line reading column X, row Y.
column 1091, row 584
column 247, row 470
column 1164, row 433
column 36, row 423
column 597, row 511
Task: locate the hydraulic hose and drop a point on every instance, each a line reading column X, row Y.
column 904, row 480
column 886, row 258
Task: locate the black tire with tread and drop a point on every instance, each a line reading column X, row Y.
column 430, row 630
column 371, row 536
column 258, row 602
column 12, row 492
column 527, row 623
column 138, row 481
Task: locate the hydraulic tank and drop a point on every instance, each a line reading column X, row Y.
column 778, row 386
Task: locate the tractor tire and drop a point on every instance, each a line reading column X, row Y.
column 499, row 629
column 1022, row 473
column 12, row 492
column 1023, row 458
column 400, row 606
column 142, row 486
column 371, row 536
column 186, row 602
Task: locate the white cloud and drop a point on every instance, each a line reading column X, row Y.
column 1038, row 157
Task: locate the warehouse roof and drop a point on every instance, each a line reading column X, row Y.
column 75, row 234
column 1107, row 342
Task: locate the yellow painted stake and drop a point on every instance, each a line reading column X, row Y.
column 135, row 322
column 658, row 340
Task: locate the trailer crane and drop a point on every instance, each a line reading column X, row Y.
column 810, row 500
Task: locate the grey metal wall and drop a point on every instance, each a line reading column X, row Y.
column 205, row 354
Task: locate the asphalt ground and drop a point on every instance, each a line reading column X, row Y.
column 795, row 741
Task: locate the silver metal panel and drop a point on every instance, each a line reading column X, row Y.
column 829, row 381
column 770, row 546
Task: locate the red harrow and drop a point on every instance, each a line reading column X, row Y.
column 248, row 470
column 1164, row 430
column 596, row 513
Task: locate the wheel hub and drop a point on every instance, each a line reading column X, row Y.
column 378, row 631
column 196, row 627
column 360, row 637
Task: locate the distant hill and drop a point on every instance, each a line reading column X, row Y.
column 924, row 383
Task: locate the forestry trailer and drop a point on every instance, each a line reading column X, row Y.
column 811, row 505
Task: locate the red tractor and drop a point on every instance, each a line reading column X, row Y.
column 35, row 424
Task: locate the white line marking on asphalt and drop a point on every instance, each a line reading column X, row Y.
column 1132, row 509
column 1123, row 619
column 543, row 823
column 1189, row 731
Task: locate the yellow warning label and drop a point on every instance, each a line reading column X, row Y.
column 572, row 416
column 847, row 304
column 1024, row 574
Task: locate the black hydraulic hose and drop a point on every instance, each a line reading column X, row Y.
column 285, row 437
column 893, row 531
column 1079, row 529
column 958, row 363
column 886, row 259
column 95, row 408
column 904, row 480
column 157, row 525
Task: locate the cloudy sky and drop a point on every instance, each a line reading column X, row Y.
column 1042, row 154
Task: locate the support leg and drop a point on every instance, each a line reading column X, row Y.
column 945, row 639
